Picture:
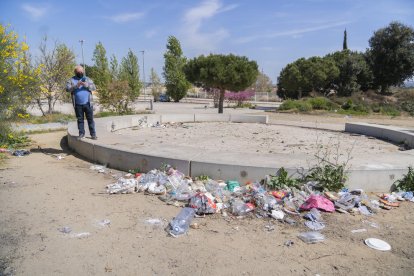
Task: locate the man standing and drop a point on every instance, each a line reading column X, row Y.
column 81, row 88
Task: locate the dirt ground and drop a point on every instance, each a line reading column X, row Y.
column 39, row 194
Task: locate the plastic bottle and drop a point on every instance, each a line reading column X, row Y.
column 181, row 223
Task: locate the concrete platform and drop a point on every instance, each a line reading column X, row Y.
column 371, row 173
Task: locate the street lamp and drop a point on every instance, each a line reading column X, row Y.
column 143, row 72
column 83, row 60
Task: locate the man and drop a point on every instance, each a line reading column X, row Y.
column 81, row 88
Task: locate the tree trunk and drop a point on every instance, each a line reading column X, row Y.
column 49, row 103
column 39, row 103
column 221, row 100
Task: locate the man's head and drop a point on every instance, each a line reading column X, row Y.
column 79, row 71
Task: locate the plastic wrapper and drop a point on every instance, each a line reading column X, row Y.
column 122, row 186
column 311, row 237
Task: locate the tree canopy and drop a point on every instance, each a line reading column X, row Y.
column 223, row 72
column 57, row 64
column 303, row 76
column 175, row 81
column 391, row 55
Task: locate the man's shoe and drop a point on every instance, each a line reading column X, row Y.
column 94, row 137
column 81, row 136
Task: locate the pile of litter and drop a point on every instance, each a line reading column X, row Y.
column 143, row 123
column 208, row 196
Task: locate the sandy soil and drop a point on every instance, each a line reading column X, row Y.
column 39, row 194
column 255, row 138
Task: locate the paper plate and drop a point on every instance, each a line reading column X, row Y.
column 378, row 244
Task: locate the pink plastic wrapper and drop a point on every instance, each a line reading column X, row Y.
column 319, row 202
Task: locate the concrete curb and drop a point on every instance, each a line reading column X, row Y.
column 375, row 174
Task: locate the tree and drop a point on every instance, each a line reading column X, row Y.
column 223, row 72
column 17, row 79
column 129, row 72
column 57, row 67
column 114, row 68
column 120, row 93
column 263, row 83
column 175, row 81
column 101, row 75
column 354, row 72
column 303, row 76
column 391, row 55
column 155, row 84
column 345, row 42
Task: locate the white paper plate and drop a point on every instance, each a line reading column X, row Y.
column 378, row 244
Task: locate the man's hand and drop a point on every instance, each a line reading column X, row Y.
column 81, row 83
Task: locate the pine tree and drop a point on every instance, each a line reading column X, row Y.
column 175, row 80
column 345, row 43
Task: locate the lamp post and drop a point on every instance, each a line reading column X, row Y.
column 143, row 72
column 83, row 60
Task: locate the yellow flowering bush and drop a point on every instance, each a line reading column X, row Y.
column 17, row 76
column 18, row 79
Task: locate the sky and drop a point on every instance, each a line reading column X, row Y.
column 271, row 32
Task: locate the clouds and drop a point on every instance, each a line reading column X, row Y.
column 193, row 20
column 295, row 33
column 126, row 17
column 35, row 11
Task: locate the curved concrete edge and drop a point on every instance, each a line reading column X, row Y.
column 123, row 159
column 397, row 135
column 370, row 179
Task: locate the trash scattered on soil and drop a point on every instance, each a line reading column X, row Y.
column 80, row 235
column 377, row 244
column 98, row 168
column 180, row 224
column 289, row 243
column 21, row 153
column 104, row 223
column 311, row 237
column 359, row 230
column 65, row 229
column 203, row 196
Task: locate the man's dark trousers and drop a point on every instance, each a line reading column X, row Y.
column 81, row 110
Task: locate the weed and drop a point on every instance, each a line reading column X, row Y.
column 330, row 177
column 330, row 170
column 406, row 183
column 282, row 180
column 202, row 177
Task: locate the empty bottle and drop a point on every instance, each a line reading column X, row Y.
column 181, row 223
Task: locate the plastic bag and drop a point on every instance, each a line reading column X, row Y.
column 319, row 202
column 202, row 204
column 239, row 208
column 311, row 237
column 122, row 186
column 155, row 188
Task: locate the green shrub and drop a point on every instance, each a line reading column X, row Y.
column 361, row 108
column 347, row 105
column 390, row 110
column 282, row 180
column 408, row 106
column 303, row 106
column 320, row 103
column 330, row 177
column 376, row 108
column 8, row 138
column 288, row 105
column 406, row 183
